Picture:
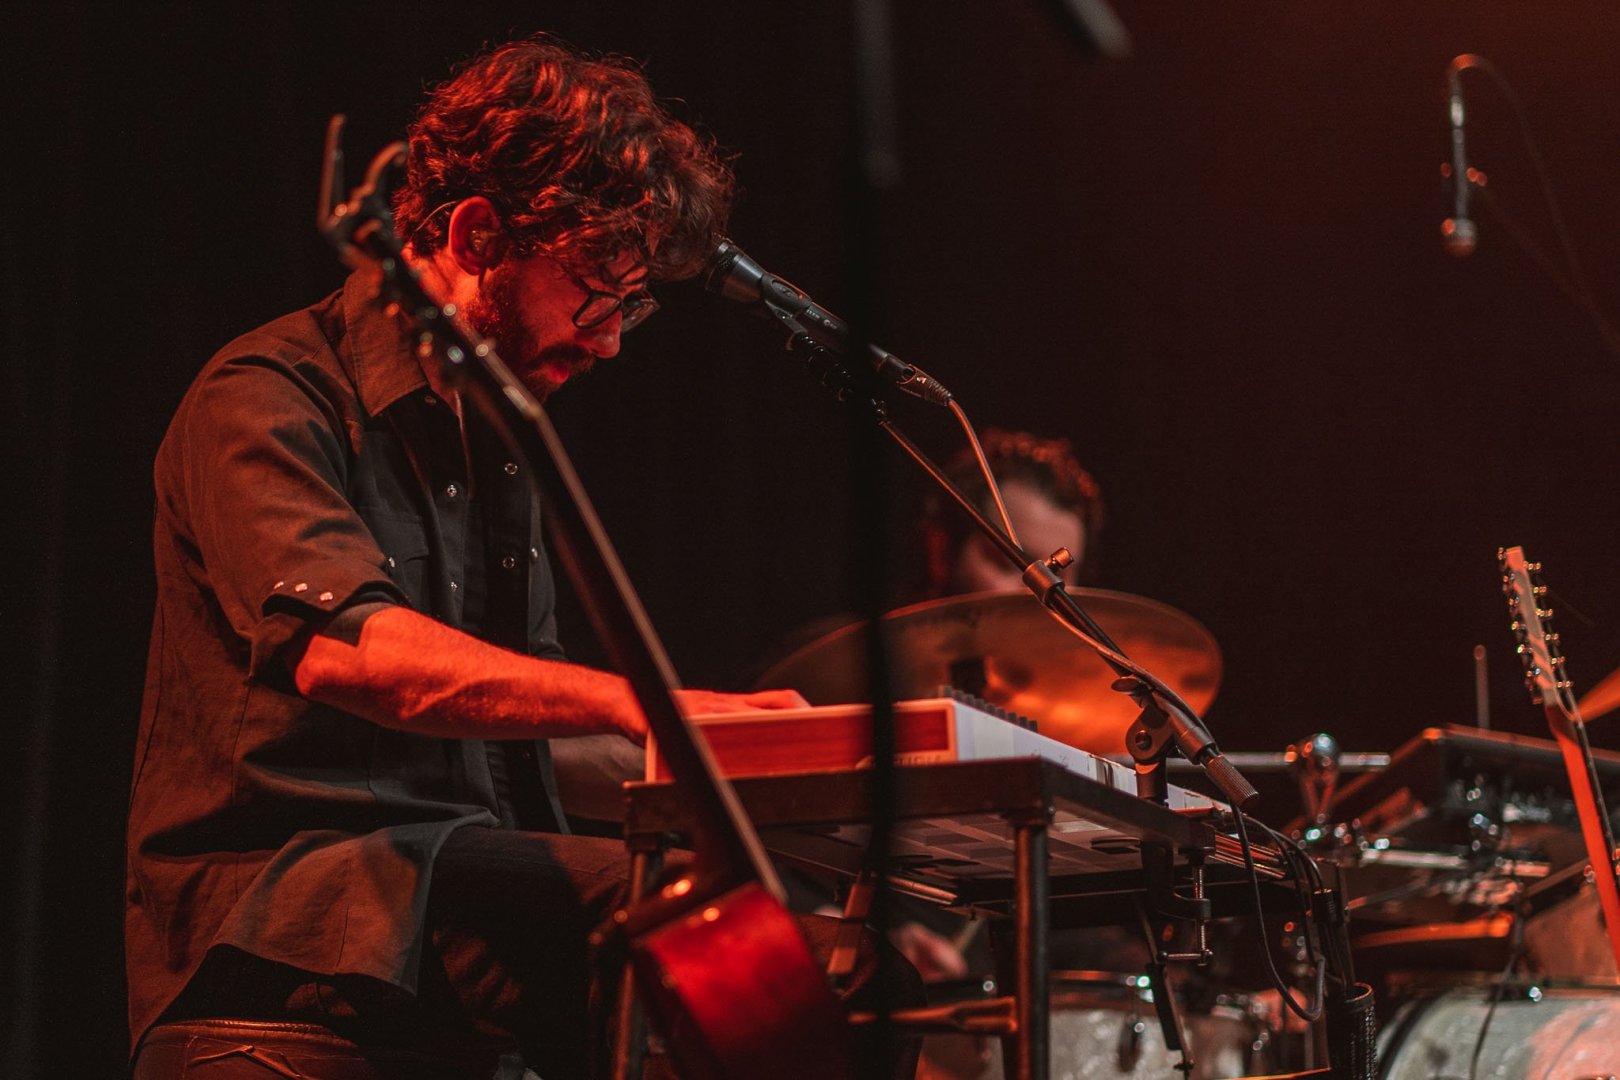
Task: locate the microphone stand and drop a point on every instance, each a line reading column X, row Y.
column 1166, row 723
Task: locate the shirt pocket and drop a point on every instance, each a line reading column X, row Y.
column 404, row 544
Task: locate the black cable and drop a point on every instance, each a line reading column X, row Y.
column 1311, row 1012
column 1514, row 951
column 1571, row 289
column 1533, row 151
column 985, row 471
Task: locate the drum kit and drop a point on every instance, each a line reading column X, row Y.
column 1459, row 856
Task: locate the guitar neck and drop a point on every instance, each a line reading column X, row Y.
column 1544, row 673
column 1557, row 718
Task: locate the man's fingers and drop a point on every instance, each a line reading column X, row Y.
column 703, row 702
column 777, row 699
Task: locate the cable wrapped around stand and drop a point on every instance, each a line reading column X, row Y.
column 1352, row 1032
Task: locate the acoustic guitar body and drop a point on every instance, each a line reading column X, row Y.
column 740, row 993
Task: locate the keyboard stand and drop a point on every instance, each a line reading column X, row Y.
column 806, row 818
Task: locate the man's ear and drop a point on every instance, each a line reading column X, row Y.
column 475, row 238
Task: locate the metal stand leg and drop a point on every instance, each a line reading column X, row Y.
column 1032, row 1044
column 629, row 1027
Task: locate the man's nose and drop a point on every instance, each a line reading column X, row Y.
column 602, row 340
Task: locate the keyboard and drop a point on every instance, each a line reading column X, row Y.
column 929, row 731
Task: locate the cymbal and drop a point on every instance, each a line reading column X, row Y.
column 1602, row 698
column 1025, row 659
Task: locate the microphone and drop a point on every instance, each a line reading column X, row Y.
column 1459, row 232
column 735, row 276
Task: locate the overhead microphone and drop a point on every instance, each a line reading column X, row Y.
column 1460, row 233
column 735, row 276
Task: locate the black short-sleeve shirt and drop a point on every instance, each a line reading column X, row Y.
column 308, row 467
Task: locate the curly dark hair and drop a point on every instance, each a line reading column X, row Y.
column 580, row 159
column 1047, row 465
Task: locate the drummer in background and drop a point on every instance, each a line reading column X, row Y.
column 1052, row 501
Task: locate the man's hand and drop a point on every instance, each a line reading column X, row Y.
column 936, row 958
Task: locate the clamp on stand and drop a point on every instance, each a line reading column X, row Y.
column 1151, row 740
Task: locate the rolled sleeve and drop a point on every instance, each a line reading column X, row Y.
column 262, row 465
column 314, row 594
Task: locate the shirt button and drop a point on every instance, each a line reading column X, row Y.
column 508, row 563
column 429, row 399
column 454, row 587
column 452, row 491
column 534, row 554
column 510, row 468
column 391, row 563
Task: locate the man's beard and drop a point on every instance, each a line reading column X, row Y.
column 496, row 314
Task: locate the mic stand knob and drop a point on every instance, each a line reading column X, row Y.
column 1060, row 560
column 1315, row 763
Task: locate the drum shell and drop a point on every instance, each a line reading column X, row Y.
column 1533, row 1032
column 1104, row 1027
column 1566, row 939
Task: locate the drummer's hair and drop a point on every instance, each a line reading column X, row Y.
column 581, row 160
column 1047, row 465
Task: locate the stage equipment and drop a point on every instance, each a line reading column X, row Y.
column 1165, row 724
column 1011, row 653
column 929, row 731
column 1457, row 824
column 1021, row 841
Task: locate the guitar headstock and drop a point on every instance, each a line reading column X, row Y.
column 1538, row 647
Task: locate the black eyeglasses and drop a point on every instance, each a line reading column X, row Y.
column 601, row 306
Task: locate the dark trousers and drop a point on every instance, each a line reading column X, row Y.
column 510, row 915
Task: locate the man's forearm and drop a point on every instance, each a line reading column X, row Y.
column 403, row 670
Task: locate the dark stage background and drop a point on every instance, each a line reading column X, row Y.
column 1215, row 267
